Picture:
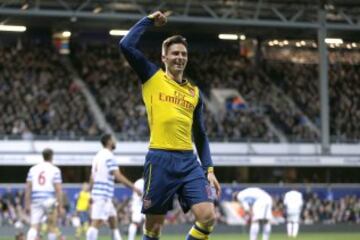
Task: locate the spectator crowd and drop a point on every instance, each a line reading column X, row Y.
column 38, row 94
column 39, row 97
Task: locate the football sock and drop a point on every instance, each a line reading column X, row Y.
column 199, row 231
column 254, row 230
column 92, row 233
column 132, row 231
column 266, row 231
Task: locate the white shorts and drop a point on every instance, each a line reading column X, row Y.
column 293, row 216
column 136, row 215
column 262, row 209
column 102, row 209
column 39, row 210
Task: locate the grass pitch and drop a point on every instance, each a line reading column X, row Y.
column 275, row 236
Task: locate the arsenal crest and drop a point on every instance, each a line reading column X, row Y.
column 192, row 92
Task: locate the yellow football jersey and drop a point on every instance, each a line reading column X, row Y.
column 83, row 201
column 170, row 107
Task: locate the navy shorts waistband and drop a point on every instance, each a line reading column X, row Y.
column 171, row 151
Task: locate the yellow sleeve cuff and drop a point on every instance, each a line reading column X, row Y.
column 210, row 170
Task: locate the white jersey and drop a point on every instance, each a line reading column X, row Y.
column 136, row 200
column 251, row 195
column 43, row 176
column 293, row 201
column 257, row 199
column 102, row 166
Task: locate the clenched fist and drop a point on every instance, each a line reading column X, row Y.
column 159, row 18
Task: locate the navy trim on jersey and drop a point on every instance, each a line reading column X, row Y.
column 128, row 44
column 200, row 139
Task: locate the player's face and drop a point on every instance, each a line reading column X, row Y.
column 176, row 58
column 85, row 187
column 113, row 143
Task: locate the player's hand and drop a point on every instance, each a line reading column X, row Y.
column 138, row 191
column 247, row 218
column 159, row 18
column 214, row 182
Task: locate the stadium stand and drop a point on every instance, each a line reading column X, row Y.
column 299, row 81
column 284, row 92
column 39, row 97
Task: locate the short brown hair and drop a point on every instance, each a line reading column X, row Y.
column 47, row 154
column 172, row 40
column 105, row 139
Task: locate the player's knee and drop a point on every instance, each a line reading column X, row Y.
column 96, row 223
column 154, row 228
column 137, row 224
column 208, row 218
column 153, row 225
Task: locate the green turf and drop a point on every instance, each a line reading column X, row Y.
column 316, row 236
column 275, row 236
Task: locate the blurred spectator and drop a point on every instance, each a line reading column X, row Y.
column 38, row 97
column 295, row 71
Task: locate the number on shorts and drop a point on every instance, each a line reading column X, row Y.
column 41, row 178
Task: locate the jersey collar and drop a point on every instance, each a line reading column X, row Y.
column 184, row 80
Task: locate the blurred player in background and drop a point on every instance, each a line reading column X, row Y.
column 104, row 172
column 174, row 107
column 293, row 201
column 136, row 216
column 258, row 206
column 82, row 210
column 43, row 196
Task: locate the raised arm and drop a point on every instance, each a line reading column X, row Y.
column 128, row 44
column 202, row 145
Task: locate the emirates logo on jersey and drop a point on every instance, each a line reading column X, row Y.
column 178, row 99
column 146, row 203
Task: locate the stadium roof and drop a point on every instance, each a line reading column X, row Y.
column 300, row 17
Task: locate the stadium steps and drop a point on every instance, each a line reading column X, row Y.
column 217, row 103
column 285, row 97
column 275, row 130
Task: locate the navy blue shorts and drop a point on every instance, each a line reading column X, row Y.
column 170, row 173
column 84, row 217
